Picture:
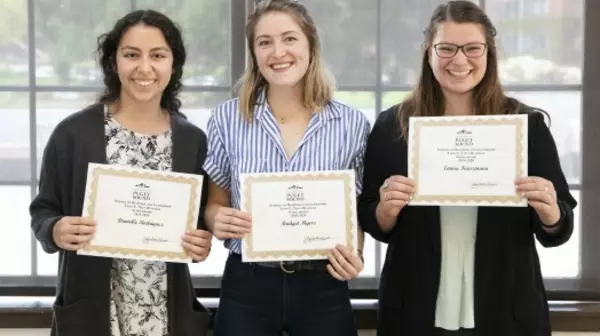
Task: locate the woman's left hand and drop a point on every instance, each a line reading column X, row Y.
column 197, row 244
column 541, row 196
column 343, row 265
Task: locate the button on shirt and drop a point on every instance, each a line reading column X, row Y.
column 334, row 140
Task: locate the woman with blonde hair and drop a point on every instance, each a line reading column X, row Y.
column 284, row 120
column 462, row 270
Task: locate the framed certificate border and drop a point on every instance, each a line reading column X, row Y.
column 347, row 176
column 97, row 170
column 519, row 121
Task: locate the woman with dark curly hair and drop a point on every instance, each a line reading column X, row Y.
column 136, row 122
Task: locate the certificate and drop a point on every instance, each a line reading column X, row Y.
column 298, row 216
column 140, row 214
column 468, row 160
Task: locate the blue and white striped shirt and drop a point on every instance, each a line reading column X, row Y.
column 334, row 140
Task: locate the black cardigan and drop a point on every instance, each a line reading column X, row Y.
column 509, row 293
column 83, row 291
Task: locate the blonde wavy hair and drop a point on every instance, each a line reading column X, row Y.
column 318, row 83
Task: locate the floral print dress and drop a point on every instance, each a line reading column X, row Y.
column 138, row 303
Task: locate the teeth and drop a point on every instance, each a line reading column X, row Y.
column 281, row 66
column 459, row 73
column 144, row 82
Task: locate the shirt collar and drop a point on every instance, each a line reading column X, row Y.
column 330, row 111
column 261, row 103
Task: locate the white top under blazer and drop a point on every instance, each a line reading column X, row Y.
column 454, row 307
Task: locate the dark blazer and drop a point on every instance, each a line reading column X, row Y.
column 510, row 299
column 83, row 291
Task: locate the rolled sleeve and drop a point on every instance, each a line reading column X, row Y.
column 358, row 160
column 217, row 165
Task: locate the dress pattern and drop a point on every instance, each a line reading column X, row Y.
column 138, row 303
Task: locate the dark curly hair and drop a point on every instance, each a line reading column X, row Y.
column 108, row 44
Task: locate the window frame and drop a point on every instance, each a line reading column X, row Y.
column 585, row 287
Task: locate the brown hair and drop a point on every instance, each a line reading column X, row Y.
column 427, row 98
column 318, row 84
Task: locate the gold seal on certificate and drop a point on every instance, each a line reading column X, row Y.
column 298, row 216
column 468, row 160
column 141, row 214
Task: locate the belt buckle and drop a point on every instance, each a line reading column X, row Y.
column 285, row 269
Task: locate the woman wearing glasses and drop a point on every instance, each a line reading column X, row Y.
column 461, row 270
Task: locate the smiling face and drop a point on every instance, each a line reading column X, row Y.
column 144, row 64
column 281, row 49
column 458, row 71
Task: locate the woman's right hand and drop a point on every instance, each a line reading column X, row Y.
column 231, row 223
column 394, row 194
column 72, row 233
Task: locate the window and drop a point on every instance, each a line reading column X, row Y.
column 564, row 109
column 533, row 43
column 545, row 71
column 508, row 45
column 349, row 48
column 63, row 55
column 535, row 7
column 546, row 58
column 564, row 261
column 403, row 24
column 15, row 238
column 67, row 79
column 14, row 138
column 362, row 100
column 205, row 27
column 511, row 8
column 13, row 43
column 371, row 47
column 542, row 68
column 544, row 43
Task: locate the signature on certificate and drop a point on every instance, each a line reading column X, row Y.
column 480, row 184
column 148, row 240
column 310, row 239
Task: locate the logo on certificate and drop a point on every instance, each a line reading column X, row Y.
column 141, row 192
column 295, row 193
column 463, row 138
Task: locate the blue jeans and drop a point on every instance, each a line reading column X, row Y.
column 258, row 300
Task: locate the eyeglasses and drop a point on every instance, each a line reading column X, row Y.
column 448, row 50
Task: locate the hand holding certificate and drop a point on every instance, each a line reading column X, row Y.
column 470, row 160
column 140, row 214
column 299, row 216
column 230, row 223
column 72, row 233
